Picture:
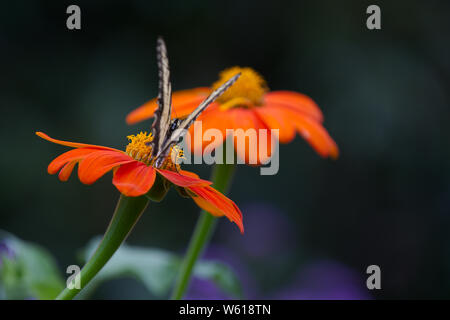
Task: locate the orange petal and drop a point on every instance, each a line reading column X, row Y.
column 296, row 101
column 247, row 119
column 69, row 156
column 277, row 119
column 181, row 179
column 134, row 179
column 71, row 144
column 315, row 134
column 183, row 103
column 96, row 164
column 212, row 201
column 211, row 118
column 190, row 174
column 66, row 171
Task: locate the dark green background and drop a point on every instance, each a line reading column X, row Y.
column 384, row 93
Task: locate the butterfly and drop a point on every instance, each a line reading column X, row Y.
column 167, row 133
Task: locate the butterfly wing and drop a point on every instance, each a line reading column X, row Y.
column 187, row 122
column 163, row 113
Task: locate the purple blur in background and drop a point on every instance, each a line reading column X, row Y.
column 270, row 242
column 5, row 251
column 325, row 279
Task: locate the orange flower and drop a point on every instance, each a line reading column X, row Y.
column 250, row 104
column 134, row 175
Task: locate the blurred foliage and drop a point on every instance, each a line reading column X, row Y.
column 27, row 271
column 157, row 269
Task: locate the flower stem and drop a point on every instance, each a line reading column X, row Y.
column 221, row 178
column 127, row 213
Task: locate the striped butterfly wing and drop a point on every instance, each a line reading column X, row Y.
column 187, row 122
column 163, row 113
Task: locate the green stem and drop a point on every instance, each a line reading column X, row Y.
column 127, row 213
column 221, row 178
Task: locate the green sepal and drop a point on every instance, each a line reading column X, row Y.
column 159, row 189
column 183, row 192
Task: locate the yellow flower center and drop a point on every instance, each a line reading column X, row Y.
column 139, row 148
column 247, row 91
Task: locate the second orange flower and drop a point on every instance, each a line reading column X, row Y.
column 250, row 104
